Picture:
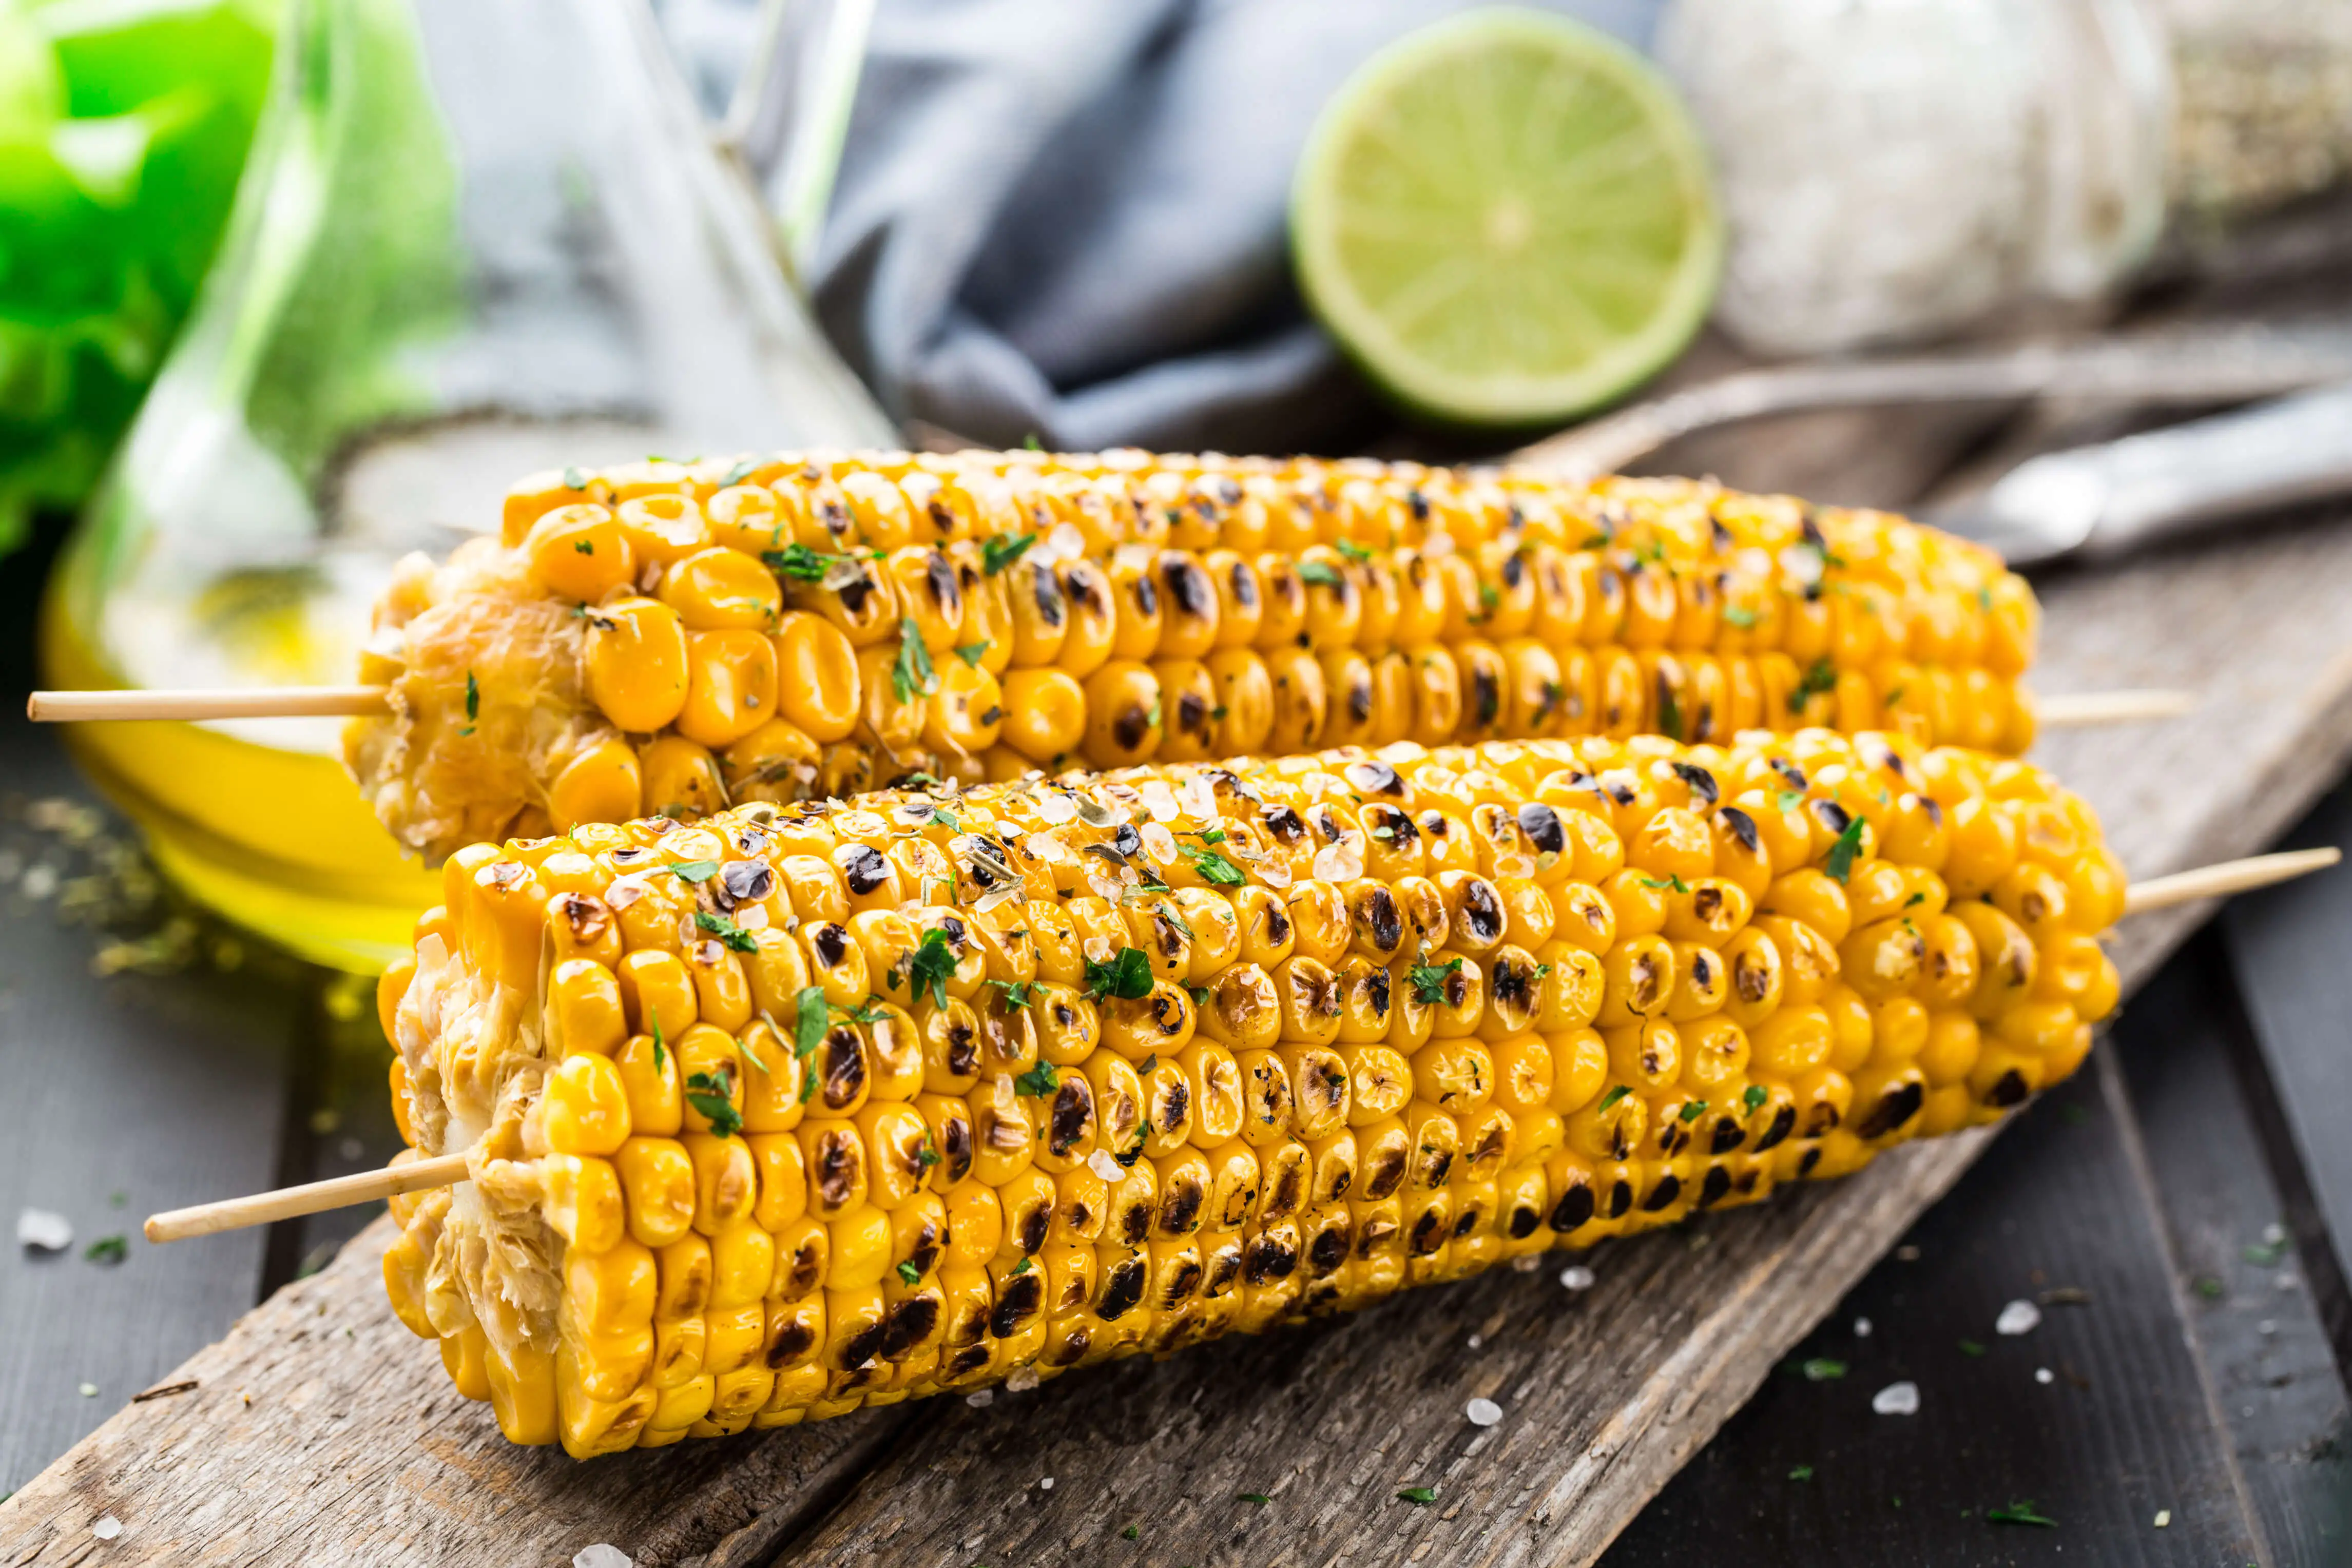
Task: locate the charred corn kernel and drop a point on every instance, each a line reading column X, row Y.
column 1044, row 1073
column 1297, row 604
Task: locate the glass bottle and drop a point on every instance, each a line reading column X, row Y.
column 477, row 239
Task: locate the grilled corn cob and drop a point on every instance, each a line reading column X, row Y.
column 808, row 1107
column 675, row 639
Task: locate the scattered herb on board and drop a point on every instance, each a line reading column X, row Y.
column 2019, row 1513
column 1969, row 1347
column 1419, row 1497
column 1800, row 1473
column 1823, row 1369
column 107, row 1249
column 1258, row 1498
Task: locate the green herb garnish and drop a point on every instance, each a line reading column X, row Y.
column 1127, row 976
column 726, row 930
column 970, row 652
column 1612, row 1097
column 107, row 1249
column 1821, row 677
column 1693, row 1110
column 713, row 1095
column 1822, row 1369
column 1038, row 1082
column 1419, row 1497
column 1428, row 981
column 1801, row 1472
column 1213, row 867
column 909, row 1274
column 1755, row 1095
column 1739, row 615
column 932, row 966
column 2019, row 1513
column 574, row 479
column 694, row 871
column 1839, row 862
column 911, row 674
column 809, row 1020
column 1001, row 551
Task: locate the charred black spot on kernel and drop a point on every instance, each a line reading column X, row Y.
column 1830, row 815
column 1192, row 714
column 588, row 918
column 1286, row 825
column 1788, row 772
column 1621, row 1198
column 1183, row 1281
column 1482, row 910
column 1702, row 971
column 832, row 944
column 1146, row 597
column 1574, row 1208
column 807, row 1268
column 1323, row 1254
column 1512, row 984
column 1169, row 1012
column 1466, row 1222
column 1188, row 585
column 908, row 1324
column 969, row 1360
column 1525, row 1218
column 1821, row 1117
column 1669, row 1187
column 1457, row 988
column 1383, row 1172
column 1437, row 1168
column 1135, row 1222
column 926, row 1249
column 745, row 881
column 1175, row 1105
column 1277, row 925
column 1428, row 1233
column 1784, row 1121
column 1360, row 697
column 1033, row 1226
column 1700, row 782
column 1896, row 1107
column 1180, row 1208
column 1073, row 1115
column 2007, row 1090
column 862, row 868
column 1380, row 919
column 845, row 1065
column 939, row 583
column 1729, row 1136
column 1714, row 1186
column 792, row 1342
column 1047, row 594
column 1376, row 991
column 863, row 1346
column 1017, row 1301
column 1751, row 978
column 1486, row 692
column 1805, row 1164
column 855, row 593
column 1122, row 1288
column 1373, row 776
column 1224, row 1266
column 964, row 1051
column 1543, row 827
column 1267, row 1258
column 1132, row 725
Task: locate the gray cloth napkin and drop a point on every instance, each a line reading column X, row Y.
column 1067, row 218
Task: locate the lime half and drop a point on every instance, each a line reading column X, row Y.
column 1507, row 219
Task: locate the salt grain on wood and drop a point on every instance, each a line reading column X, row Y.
column 2016, row 1318
column 1896, row 1399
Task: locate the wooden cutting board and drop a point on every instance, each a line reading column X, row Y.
column 319, row 1433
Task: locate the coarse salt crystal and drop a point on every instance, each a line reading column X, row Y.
column 1021, row 1381
column 1159, row 800
column 1896, row 1399
column 2163, row 1518
column 602, row 1555
column 1340, row 861
column 981, row 1399
column 1862, row 1328
column 89, row 1390
column 1200, row 800
column 2018, row 1317
column 1158, row 843
column 1577, row 1277
column 1056, row 808
column 107, row 1528
column 1045, row 846
column 2042, row 1374
column 625, row 891
column 1476, row 1340
column 44, row 1230
column 1483, row 1412
column 1104, row 1166
column 997, row 898
column 1046, row 1484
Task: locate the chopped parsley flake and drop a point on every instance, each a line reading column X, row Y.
column 1822, row 1369
column 1017, row 994
column 1021, row 1266
column 694, row 871
column 932, row 966
column 1754, row 1095
column 1739, row 615
column 1821, row 677
column 473, row 698
column 738, row 474
column 2019, row 1513
column 1003, row 552
column 713, row 1095
column 574, row 479
column 1038, row 1082
column 970, row 652
column 1839, row 862
column 1258, row 1498
column 1419, row 1497
column 799, row 562
column 1667, row 881
column 808, row 1025
column 1614, row 1095
column 726, row 930
column 1971, row 1348
column 909, row 1274
column 1428, row 981
column 1321, row 571
column 1693, row 1110
column 661, row 1056
column 585, row 547
column 1127, row 976
column 107, row 1249
column 1213, row 867
column 1800, row 1473
column 911, row 674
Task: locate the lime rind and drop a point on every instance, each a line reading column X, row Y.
column 1599, row 245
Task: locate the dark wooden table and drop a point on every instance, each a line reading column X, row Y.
column 2181, row 1210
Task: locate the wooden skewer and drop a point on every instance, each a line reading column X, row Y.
column 267, row 701
column 2229, row 876
column 311, row 1197
column 296, row 702
column 447, row 1170
column 2074, row 709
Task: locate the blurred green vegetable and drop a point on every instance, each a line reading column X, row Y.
column 122, row 126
